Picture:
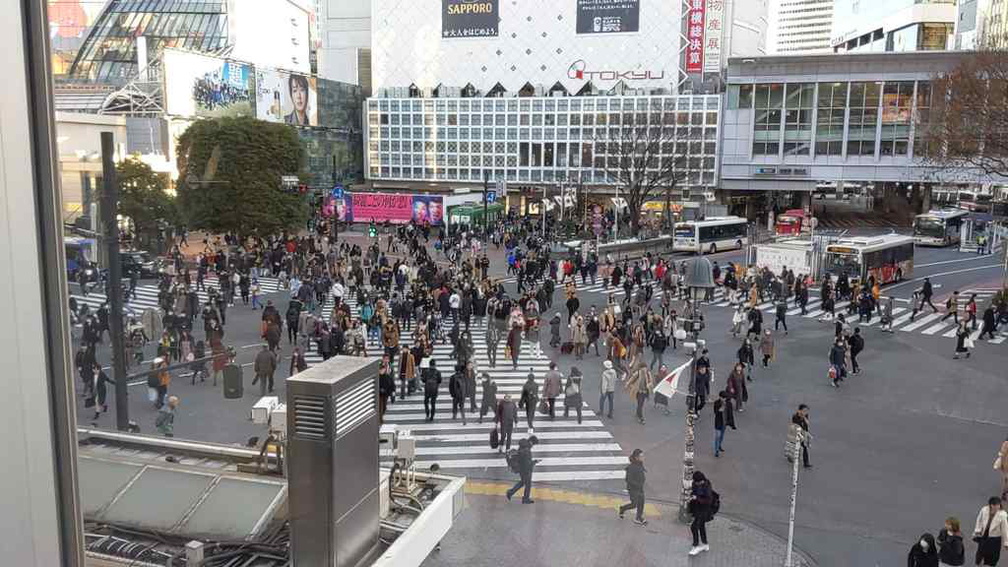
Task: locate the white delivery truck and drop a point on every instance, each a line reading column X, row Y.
column 795, row 255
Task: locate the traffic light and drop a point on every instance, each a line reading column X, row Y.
column 372, row 230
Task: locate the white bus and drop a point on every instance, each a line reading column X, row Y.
column 886, row 258
column 939, row 227
column 711, row 234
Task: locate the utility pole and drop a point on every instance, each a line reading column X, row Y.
column 334, row 228
column 799, row 439
column 486, row 222
column 110, row 232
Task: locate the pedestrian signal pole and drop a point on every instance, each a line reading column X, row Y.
column 110, row 232
column 799, row 438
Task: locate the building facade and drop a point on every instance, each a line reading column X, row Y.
column 893, row 25
column 532, row 141
column 795, row 123
column 129, row 33
column 801, row 26
column 345, row 41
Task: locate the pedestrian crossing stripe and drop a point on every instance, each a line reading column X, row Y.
column 147, row 295
column 570, row 452
column 901, row 320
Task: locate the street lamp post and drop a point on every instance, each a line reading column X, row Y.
column 699, row 279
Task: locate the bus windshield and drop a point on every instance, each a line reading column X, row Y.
column 685, row 231
column 929, row 226
column 840, row 263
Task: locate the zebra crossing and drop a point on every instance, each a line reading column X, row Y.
column 569, row 451
column 945, row 328
column 147, row 295
column 925, row 323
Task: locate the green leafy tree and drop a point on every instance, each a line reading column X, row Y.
column 230, row 176
column 144, row 200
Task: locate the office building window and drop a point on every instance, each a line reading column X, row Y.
column 832, row 106
column 798, row 119
column 897, row 108
column 864, row 100
column 768, row 100
column 923, row 145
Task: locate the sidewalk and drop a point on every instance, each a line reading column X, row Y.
column 565, row 527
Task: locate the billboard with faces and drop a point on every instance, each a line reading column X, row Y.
column 282, row 96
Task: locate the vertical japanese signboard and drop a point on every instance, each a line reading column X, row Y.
column 713, row 34
column 469, row 18
column 695, row 37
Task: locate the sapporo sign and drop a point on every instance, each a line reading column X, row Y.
column 469, row 18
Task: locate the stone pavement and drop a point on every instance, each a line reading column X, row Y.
column 566, row 527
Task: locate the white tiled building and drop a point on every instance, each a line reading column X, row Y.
column 537, row 140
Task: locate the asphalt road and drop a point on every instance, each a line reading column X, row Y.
column 896, row 449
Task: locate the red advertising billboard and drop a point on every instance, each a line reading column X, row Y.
column 695, row 37
column 399, row 208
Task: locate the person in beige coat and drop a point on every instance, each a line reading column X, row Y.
column 638, row 384
column 1001, row 465
column 579, row 336
column 767, row 347
column 990, row 532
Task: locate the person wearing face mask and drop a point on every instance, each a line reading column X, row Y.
column 950, row 544
column 923, row 553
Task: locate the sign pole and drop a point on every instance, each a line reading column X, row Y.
column 110, row 232
column 799, row 437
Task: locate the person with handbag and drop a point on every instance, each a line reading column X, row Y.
column 963, row 340
column 700, row 506
column 638, row 384
column 990, row 532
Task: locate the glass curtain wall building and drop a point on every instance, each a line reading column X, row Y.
column 791, row 123
column 547, row 140
column 108, row 54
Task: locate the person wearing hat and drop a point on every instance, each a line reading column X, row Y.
column 607, row 386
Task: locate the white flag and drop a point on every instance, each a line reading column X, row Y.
column 669, row 383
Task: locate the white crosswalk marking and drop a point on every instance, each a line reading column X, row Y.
column 569, row 451
column 147, row 294
column 918, row 323
column 935, row 328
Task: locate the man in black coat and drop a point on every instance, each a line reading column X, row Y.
column 432, row 381
column 635, row 475
column 507, row 418
column 525, row 465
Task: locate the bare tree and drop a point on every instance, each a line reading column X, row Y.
column 967, row 125
column 643, row 159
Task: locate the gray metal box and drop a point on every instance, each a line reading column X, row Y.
column 332, row 432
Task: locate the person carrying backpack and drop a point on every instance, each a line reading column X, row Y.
column 704, row 503
column 635, row 477
column 521, row 461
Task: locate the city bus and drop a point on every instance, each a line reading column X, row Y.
column 711, row 234
column 888, row 258
column 939, row 227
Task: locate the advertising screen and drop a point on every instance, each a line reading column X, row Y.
column 608, row 16
column 282, row 96
column 399, row 208
column 198, row 85
column 469, row 18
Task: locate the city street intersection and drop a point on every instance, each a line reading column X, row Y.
column 896, row 448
